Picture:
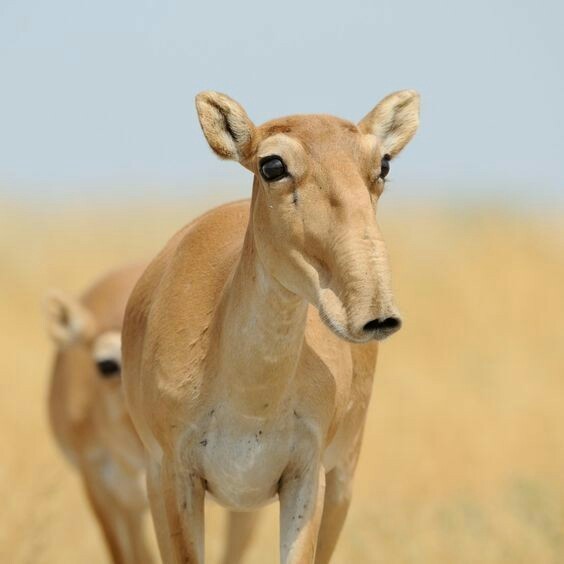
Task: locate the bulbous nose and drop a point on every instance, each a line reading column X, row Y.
column 383, row 327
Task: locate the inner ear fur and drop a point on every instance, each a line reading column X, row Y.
column 226, row 125
column 68, row 321
column 393, row 121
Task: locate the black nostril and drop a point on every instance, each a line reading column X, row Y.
column 108, row 368
column 385, row 323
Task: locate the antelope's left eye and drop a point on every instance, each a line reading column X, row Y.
column 272, row 168
column 385, row 166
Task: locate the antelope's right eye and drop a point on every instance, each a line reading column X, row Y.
column 272, row 168
column 385, row 166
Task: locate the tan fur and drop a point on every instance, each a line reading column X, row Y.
column 248, row 363
column 88, row 413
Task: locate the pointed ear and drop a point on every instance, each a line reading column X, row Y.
column 67, row 320
column 226, row 125
column 393, row 121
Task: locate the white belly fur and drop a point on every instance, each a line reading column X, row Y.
column 243, row 461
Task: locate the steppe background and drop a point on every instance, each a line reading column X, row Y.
column 463, row 456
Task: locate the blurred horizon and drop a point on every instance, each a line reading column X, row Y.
column 97, row 100
column 408, row 197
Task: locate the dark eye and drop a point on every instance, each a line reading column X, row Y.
column 272, row 168
column 385, row 166
column 108, row 368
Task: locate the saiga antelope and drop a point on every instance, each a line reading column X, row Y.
column 88, row 414
column 250, row 342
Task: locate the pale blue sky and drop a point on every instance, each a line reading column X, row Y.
column 96, row 98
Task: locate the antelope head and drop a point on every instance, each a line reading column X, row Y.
column 317, row 181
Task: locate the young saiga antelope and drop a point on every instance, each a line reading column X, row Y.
column 88, row 413
column 250, row 342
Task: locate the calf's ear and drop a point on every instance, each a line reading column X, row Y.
column 68, row 321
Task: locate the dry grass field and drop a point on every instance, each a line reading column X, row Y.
column 463, row 458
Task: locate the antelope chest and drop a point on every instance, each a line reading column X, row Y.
column 242, row 458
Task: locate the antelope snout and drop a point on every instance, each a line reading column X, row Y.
column 382, row 327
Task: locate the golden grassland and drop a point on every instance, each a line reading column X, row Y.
column 463, row 457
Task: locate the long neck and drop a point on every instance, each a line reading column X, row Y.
column 262, row 330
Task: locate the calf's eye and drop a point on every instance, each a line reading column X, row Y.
column 385, row 166
column 108, row 368
column 272, row 168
